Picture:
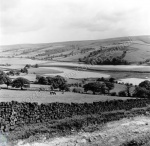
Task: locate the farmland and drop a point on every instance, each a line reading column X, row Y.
column 90, row 96
column 45, row 97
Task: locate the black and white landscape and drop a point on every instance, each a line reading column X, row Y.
column 74, row 73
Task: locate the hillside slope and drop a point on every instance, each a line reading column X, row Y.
column 137, row 50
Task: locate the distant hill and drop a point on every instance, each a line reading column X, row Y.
column 132, row 49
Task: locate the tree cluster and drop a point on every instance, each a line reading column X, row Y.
column 143, row 90
column 104, row 59
column 17, row 83
column 55, row 82
column 101, row 87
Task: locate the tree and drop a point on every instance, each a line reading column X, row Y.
column 20, row 83
column 128, row 90
column 28, row 65
column 50, row 80
column 143, row 90
column 113, row 93
column 64, row 87
column 11, row 72
column 94, row 87
column 112, row 80
column 80, row 60
column 17, row 73
column 104, row 88
column 145, row 84
column 58, row 81
column 109, row 85
column 4, row 79
column 36, row 65
column 43, row 81
column 25, row 70
column 122, row 94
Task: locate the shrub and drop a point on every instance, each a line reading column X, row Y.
column 112, row 80
column 76, row 90
column 122, row 94
column 36, row 66
column 113, row 94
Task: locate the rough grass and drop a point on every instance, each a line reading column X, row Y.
column 125, row 132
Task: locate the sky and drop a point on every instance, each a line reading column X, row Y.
column 45, row 21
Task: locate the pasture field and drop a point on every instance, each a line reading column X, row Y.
column 45, row 97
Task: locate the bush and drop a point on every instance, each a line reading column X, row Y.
column 112, row 80
column 43, row 81
column 36, row 66
column 28, row 65
column 141, row 92
column 67, row 89
column 122, row 94
column 76, row 90
column 113, row 94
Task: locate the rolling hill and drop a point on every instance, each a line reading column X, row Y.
column 133, row 49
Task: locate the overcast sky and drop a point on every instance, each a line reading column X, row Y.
column 37, row 21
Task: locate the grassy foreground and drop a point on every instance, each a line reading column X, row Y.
column 32, row 122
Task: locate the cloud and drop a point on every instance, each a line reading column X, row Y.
column 8, row 4
column 63, row 20
column 112, row 16
column 23, row 18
